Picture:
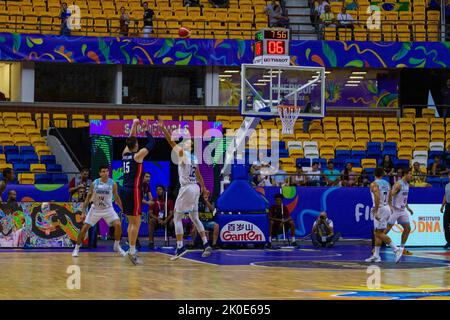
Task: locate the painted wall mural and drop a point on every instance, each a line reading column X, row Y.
column 203, row 52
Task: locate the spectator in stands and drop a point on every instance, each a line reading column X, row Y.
column 158, row 218
column 79, row 186
column 351, row 5
column 280, row 178
column 254, row 172
column 398, row 176
column 148, row 20
column 275, row 15
column 313, row 175
column 64, row 16
column 419, row 178
column 7, row 177
column 13, row 206
column 206, row 212
column 320, row 8
column 433, row 5
column 322, row 234
column 349, row 178
column 279, row 215
column 124, row 22
column 388, row 165
column 437, row 168
column 307, row 109
column 331, row 175
column 345, row 20
column 147, row 197
column 445, row 92
column 298, row 179
column 326, row 19
column 219, row 3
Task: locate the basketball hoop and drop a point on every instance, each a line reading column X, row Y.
column 288, row 115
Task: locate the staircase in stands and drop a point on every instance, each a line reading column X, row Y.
column 300, row 22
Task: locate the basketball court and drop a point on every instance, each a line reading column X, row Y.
column 305, row 273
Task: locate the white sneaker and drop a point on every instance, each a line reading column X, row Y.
column 75, row 253
column 373, row 259
column 120, row 251
column 398, row 255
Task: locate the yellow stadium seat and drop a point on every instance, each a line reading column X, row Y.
column 407, row 138
column 421, row 121
column 421, row 146
column 359, row 145
column 302, row 136
column 26, row 178
column 60, row 120
column 332, row 137
column 38, row 167
column 43, row 150
column 9, row 116
column 296, row 153
column 24, row 116
column 347, row 136
column 2, row 158
column 405, row 154
column 428, row 113
column 42, row 120
column 362, row 136
column 409, row 113
column 169, row 118
column 95, row 117
column 112, row 117
column 388, row 121
column 21, row 141
column 360, row 121
column 326, row 153
column 342, row 145
column 375, row 122
column 392, row 137
column 147, row 117
column 406, row 129
column 377, row 137
column 368, row 163
column 5, row 165
column 437, row 137
column 329, row 120
column 406, row 121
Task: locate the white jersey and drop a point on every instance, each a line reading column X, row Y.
column 400, row 200
column 384, row 188
column 102, row 194
column 187, row 168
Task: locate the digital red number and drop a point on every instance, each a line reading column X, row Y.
column 258, row 49
column 275, row 47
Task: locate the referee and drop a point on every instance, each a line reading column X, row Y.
column 446, row 204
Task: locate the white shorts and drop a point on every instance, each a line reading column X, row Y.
column 400, row 216
column 147, row 31
column 187, row 200
column 94, row 216
column 384, row 213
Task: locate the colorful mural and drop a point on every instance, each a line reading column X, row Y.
column 39, row 225
column 202, row 52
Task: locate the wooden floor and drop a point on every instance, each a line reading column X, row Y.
column 104, row 275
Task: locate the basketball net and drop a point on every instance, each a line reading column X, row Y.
column 288, row 115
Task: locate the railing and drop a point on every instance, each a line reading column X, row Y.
column 431, row 30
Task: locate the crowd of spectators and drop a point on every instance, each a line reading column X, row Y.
column 265, row 175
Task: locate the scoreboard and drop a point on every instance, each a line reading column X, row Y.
column 272, row 47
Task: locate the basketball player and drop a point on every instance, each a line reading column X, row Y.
column 398, row 200
column 187, row 200
column 101, row 193
column 381, row 211
column 132, row 159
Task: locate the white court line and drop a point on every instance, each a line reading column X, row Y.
column 204, row 262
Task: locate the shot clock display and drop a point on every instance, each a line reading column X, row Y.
column 271, row 43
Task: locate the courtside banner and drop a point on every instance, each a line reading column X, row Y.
column 427, row 226
column 192, row 129
column 243, row 228
column 349, row 208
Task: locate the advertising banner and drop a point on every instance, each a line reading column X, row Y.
column 243, row 228
column 122, row 128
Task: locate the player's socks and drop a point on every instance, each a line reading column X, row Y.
column 116, row 244
column 293, row 239
column 179, row 244
column 132, row 249
column 393, row 246
column 377, row 252
column 205, row 240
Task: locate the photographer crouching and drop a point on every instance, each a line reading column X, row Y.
column 322, row 234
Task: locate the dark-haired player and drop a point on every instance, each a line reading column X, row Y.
column 381, row 211
column 131, row 194
column 101, row 194
column 398, row 200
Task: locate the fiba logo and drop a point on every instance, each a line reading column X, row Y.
column 362, row 212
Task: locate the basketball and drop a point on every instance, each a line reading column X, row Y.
column 184, row 32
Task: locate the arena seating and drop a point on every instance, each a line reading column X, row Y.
column 23, row 149
column 416, row 24
column 101, row 18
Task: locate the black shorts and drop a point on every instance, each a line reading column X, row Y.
column 131, row 201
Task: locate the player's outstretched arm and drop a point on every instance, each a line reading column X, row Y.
column 168, row 137
column 117, row 199
column 133, row 133
column 141, row 154
column 376, row 197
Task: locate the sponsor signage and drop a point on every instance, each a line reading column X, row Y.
column 252, row 228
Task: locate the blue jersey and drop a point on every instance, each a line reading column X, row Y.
column 384, row 188
column 132, row 171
